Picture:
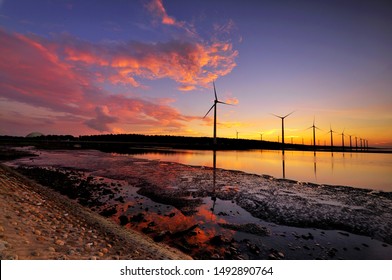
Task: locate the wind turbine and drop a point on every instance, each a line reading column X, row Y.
column 351, row 146
column 283, row 117
column 236, row 133
column 261, row 136
column 343, row 138
column 331, row 131
column 314, row 133
column 216, row 101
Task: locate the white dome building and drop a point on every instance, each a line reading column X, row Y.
column 34, row 134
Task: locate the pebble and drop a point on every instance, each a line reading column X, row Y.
column 272, row 257
column 35, row 254
column 59, row 242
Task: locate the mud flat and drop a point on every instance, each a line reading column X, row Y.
column 220, row 214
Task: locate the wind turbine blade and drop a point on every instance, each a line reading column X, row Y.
column 216, row 97
column 277, row 116
column 309, row 128
column 224, row 103
column 318, row 128
column 314, row 118
column 209, row 111
column 288, row 114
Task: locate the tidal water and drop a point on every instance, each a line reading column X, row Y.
column 361, row 170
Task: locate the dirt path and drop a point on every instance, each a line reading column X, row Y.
column 38, row 223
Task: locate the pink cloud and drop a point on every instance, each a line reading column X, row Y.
column 232, row 100
column 102, row 120
column 35, row 72
column 190, row 64
column 158, row 10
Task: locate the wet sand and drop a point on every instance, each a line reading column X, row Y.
column 38, row 223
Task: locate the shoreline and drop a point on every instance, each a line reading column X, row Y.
column 39, row 223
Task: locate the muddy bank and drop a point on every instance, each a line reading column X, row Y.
column 222, row 214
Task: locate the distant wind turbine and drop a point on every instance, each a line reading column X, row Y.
column 351, row 146
column 216, row 101
column 261, row 136
column 314, row 133
column 343, row 138
column 331, row 131
column 283, row 117
column 237, row 133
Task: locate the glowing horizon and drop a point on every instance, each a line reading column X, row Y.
column 147, row 67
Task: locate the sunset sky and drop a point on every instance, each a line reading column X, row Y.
column 147, row 66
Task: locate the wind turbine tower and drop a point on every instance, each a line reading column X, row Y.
column 343, row 138
column 331, row 131
column 283, row 117
column 216, row 101
column 314, row 133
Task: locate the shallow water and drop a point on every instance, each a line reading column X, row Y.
column 361, row 170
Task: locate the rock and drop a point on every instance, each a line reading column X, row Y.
column 59, row 242
column 123, row 220
column 51, row 249
column 216, row 240
column 272, row 257
column 160, row 236
column 87, row 247
column 343, row 233
column 253, row 248
column 37, row 232
column 216, row 256
column 1, row 229
column 307, row 237
column 137, row 218
column 3, row 245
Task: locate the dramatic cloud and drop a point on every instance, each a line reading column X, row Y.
column 34, row 72
column 158, row 10
column 191, row 64
column 102, row 119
